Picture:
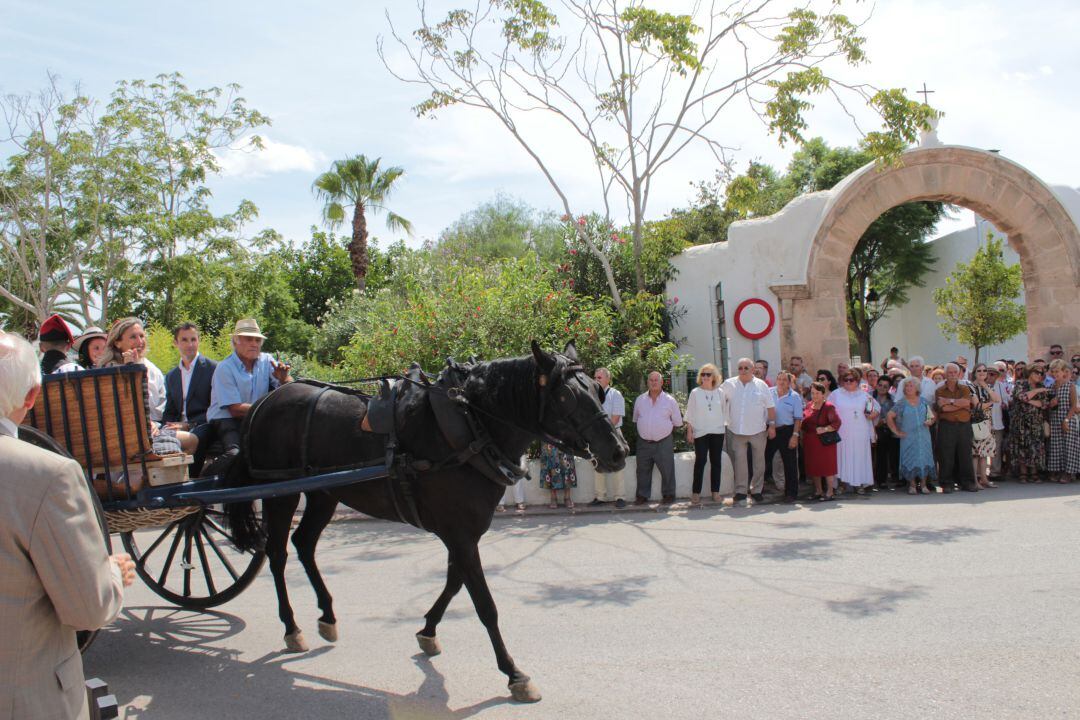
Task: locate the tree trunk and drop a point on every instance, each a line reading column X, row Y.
column 358, row 253
column 863, row 338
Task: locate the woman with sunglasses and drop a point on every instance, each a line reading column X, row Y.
column 705, row 420
column 826, row 377
column 820, row 417
column 983, row 450
column 858, row 411
column 1027, row 445
column 1063, row 446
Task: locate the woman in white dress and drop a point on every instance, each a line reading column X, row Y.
column 857, row 412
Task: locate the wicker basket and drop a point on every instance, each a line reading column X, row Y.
column 122, row 521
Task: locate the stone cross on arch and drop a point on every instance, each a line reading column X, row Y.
column 925, row 93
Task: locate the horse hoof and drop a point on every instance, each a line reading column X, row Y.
column 294, row 642
column 525, row 691
column 328, row 631
column 430, row 645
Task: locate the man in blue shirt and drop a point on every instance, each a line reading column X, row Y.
column 789, row 414
column 239, row 380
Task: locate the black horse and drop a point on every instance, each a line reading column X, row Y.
column 303, row 428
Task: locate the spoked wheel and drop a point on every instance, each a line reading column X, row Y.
column 193, row 561
column 36, row 437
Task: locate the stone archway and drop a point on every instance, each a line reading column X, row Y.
column 1039, row 227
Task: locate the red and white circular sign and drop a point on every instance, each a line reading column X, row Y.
column 754, row 318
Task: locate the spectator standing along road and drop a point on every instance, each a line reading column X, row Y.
column 789, row 414
column 751, row 417
column 656, row 415
column 615, row 407
column 953, row 403
column 705, row 425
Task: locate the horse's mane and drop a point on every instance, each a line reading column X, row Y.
column 506, row 383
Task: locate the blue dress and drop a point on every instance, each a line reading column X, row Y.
column 916, row 450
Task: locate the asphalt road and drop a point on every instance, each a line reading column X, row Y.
column 961, row 606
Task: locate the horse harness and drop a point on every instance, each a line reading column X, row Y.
column 457, row 420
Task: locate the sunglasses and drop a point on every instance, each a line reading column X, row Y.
column 745, row 367
column 706, row 374
column 1057, row 352
column 849, row 379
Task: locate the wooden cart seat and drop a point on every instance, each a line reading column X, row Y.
column 101, row 417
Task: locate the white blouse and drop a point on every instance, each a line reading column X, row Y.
column 705, row 411
column 155, row 385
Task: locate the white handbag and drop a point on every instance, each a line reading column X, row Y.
column 980, row 430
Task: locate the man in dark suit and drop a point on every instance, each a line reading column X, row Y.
column 187, row 391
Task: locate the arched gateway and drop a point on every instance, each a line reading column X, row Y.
column 798, row 258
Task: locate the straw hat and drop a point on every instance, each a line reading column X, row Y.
column 248, row 327
column 89, row 334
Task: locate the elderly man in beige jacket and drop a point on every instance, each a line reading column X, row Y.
column 55, row 574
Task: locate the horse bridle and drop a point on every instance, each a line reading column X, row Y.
column 547, row 382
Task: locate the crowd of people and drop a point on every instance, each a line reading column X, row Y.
column 906, row 426
column 856, row 428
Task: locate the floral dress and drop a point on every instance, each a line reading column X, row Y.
column 986, row 447
column 1026, row 443
column 557, row 469
column 1063, row 452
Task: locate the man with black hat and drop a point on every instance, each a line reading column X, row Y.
column 54, row 341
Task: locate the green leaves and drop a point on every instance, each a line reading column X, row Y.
column 528, row 25
column 672, row 33
column 977, row 305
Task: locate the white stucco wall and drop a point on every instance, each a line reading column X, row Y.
column 586, row 477
column 759, row 253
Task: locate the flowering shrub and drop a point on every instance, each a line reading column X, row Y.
column 437, row 308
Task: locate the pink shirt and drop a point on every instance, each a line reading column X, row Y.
column 656, row 419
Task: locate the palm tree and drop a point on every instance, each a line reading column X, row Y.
column 358, row 181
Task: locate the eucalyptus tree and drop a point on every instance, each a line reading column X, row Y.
column 359, row 184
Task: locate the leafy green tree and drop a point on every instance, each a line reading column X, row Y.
column 318, row 272
column 49, row 225
column 503, row 228
column 359, row 183
column 96, row 206
column 171, row 134
column 635, row 86
column 978, row 303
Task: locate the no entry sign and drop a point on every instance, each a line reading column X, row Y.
column 754, row 318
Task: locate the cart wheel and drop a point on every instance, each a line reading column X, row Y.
column 193, row 562
column 36, row 437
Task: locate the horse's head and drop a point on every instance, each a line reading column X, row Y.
column 571, row 416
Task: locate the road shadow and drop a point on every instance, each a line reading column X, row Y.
column 920, row 535
column 162, row 662
column 876, row 601
column 623, row 592
column 786, row 550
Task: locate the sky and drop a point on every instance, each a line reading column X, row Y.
column 1006, row 75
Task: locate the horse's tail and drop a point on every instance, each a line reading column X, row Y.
column 248, row 533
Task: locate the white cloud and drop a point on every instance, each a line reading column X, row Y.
column 243, row 160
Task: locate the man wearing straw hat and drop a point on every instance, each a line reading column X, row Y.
column 57, row 575
column 240, row 379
